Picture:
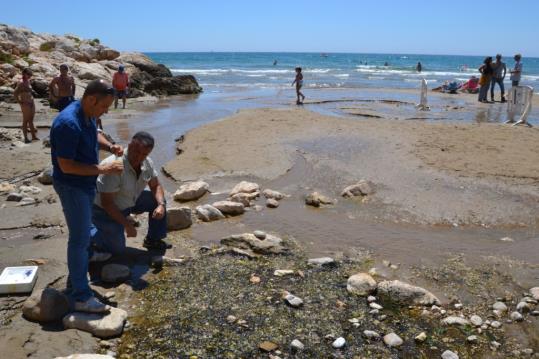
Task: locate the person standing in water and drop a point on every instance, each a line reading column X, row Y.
column 298, row 81
column 486, row 76
column 419, row 67
column 499, row 74
column 23, row 95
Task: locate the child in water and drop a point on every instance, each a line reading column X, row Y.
column 23, row 95
column 299, row 83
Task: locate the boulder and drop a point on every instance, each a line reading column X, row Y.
column 65, row 45
column 106, row 53
column 272, row 203
column 20, row 63
column 9, row 69
column 535, row 293
column 41, row 87
column 229, row 207
column 453, row 320
column 208, row 213
column 315, row 199
column 191, row 191
column 144, row 63
column 14, row 39
column 46, row 305
column 448, row 354
column 179, row 218
column 170, row 86
column 268, row 193
column 91, row 71
column 361, row 284
column 270, row 245
column 100, row 325
column 115, row 273
column 245, row 187
column 88, row 52
column 362, row 188
column 393, row 340
column 403, row 293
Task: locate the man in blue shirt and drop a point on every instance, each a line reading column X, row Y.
column 75, row 145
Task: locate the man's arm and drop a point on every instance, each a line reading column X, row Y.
column 73, row 87
column 72, row 167
column 51, row 88
column 107, row 203
column 17, row 92
column 159, row 195
column 504, row 71
column 105, row 145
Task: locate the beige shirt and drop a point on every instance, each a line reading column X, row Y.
column 126, row 186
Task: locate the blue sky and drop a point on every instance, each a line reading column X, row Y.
column 390, row 26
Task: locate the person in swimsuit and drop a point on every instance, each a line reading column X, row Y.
column 120, row 82
column 62, row 89
column 23, row 95
column 298, row 81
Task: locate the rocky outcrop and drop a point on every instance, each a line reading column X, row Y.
column 88, row 60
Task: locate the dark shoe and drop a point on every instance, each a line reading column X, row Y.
column 159, row 244
column 503, row 100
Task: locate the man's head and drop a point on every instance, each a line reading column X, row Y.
column 498, row 57
column 518, row 57
column 26, row 73
column 97, row 98
column 121, row 68
column 64, row 69
column 139, row 148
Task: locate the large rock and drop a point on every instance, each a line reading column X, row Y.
column 101, row 325
column 144, row 63
column 46, row 305
column 115, row 273
column 229, row 207
column 315, row 199
column 403, row 293
column 245, row 187
column 361, row 284
column 208, row 213
column 170, row 86
column 14, row 40
column 191, row 191
column 107, row 53
column 91, row 71
column 362, row 188
column 179, row 218
column 41, row 87
column 270, row 245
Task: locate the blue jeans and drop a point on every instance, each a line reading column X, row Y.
column 483, row 91
column 77, row 206
column 107, row 235
column 493, row 83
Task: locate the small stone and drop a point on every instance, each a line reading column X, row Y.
column 324, row 261
column 495, row 324
column 472, row 339
column 375, row 306
column 339, row 343
column 315, row 199
column 191, row 191
column 393, row 340
column 524, row 307
column 229, row 207
column 458, row 306
column 506, row 239
column 297, row 345
column 404, row 293
column 455, row 321
column 371, row 334
column 443, row 311
column 361, row 284
column 516, row 316
column 208, row 213
column 245, row 187
column 272, row 203
column 371, row 299
column 101, row 325
column 268, row 193
column 484, row 327
column 448, row 354
column 254, row 279
column 293, row 301
column 179, row 218
column 374, row 312
column 30, row 189
column 535, row 313
column 14, row 197
column 499, row 306
column 386, row 263
column 260, row 235
column 535, row 293
column 283, row 272
column 105, row 344
column 435, row 308
column 476, row 320
column 231, row 319
column 26, row 201
column 421, row 337
column 109, row 295
column 267, row 346
column 45, row 177
column 114, row 273
column 495, row 345
column 527, row 351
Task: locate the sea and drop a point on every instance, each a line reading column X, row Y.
column 218, row 71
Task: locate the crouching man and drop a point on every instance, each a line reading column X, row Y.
column 119, row 195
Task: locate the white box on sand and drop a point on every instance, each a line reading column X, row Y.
column 18, row 279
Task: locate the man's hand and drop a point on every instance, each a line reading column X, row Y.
column 130, row 230
column 113, row 168
column 158, row 212
column 117, row 150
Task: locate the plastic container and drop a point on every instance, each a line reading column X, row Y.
column 18, row 279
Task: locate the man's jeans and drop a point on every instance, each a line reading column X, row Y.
column 493, row 83
column 107, row 235
column 77, row 206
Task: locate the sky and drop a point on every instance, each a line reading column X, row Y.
column 453, row 27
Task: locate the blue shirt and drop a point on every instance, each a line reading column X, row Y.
column 74, row 137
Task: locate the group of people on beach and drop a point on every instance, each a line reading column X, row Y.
column 61, row 94
column 493, row 73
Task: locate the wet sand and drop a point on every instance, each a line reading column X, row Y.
column 448, row 187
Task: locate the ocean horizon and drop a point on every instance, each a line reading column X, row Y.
column 218, row 71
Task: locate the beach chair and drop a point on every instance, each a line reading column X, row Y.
column 422, row 105
column 519, row 103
